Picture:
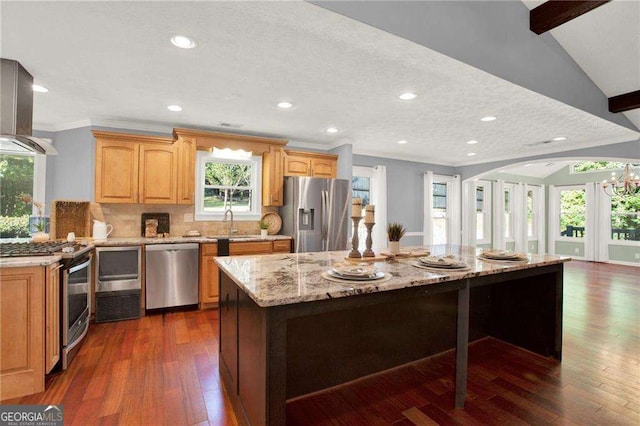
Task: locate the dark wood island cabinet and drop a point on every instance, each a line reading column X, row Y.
column 285, row 331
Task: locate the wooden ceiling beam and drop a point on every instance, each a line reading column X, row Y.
column 554, row 13
column 625, row 102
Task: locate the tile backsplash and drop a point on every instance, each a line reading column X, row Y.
column 126, row 219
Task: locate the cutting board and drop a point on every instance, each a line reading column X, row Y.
column 163, row 222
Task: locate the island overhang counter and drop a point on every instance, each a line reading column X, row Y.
column 285, row 331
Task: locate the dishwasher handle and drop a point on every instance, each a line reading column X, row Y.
column 171, row 247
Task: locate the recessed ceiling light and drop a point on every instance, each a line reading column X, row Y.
column 284, row 105
column 402, row 142
column 472, row 142
column 560, row 138
column 528, row 165
column 488, row 118
column 183, row 42
column 40, row 89
column 174, row 108
column 471, row 154
column 332, row 130
column 407, row 96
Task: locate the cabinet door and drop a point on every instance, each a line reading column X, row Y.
column 208, row 274
column 116, row 172
column 158, row 173
column 229, row 333
column 325, row 168
column 186, row 170
column 21, row 331
column 282, row 246
column 272, row 177
column 249, row 247
column 52, row 318
column 297, row 166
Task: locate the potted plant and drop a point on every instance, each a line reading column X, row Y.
column 395, row 231
column 264, row 226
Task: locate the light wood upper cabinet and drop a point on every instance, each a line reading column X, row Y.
column 272, row 177
column 52, row 317
column 158, row 174
column 143, row 169
column 116, row 171
column 298, row 163
column 186, row 170
column 22, row 331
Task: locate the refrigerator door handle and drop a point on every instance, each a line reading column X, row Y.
column 325, row 212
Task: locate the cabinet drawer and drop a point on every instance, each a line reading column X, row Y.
column 282, row 246
column 250, row 247
column 210, row 249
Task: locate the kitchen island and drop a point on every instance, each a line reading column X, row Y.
column 285, row 331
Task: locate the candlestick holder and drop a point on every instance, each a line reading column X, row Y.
column 368, row 252
column 354, row 253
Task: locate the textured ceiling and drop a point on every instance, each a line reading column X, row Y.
column 605, row 43
column 112, row 64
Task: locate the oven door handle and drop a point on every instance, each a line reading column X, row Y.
column 80, row 266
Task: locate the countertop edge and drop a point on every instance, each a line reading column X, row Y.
column 29, row 261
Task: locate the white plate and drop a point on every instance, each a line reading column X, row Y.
column 354, row 271
column 377, row 276
column 439, row 262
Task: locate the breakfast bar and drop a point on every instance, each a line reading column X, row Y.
column 287, row 329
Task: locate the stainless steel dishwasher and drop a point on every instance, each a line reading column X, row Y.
column 171, row 275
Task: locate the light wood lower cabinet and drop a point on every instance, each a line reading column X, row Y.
column 208, row 274
column 22, row 331
column 52, row 318
column 208, row 285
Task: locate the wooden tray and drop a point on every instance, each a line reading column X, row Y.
column 70, row 216
column 383, row 256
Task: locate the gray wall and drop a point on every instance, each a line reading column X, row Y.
column 493, row 36
column 345, row 161
column 70, row 174
column 405, row 190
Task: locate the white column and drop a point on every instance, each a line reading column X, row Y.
column 554, row 218
column 454, row 210
column 498, row 215
column 427, row 238
column 468, row 213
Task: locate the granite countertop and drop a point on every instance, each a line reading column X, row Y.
column 127, row 241
column 27, row 261
column 281, row 279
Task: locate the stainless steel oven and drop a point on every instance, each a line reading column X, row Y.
column 76, row 279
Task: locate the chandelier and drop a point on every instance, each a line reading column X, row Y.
column 627, row 184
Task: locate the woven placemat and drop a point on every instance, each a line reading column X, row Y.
column 440, row 270
column 328, row 277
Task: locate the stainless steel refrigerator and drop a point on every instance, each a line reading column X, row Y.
column 316, row 213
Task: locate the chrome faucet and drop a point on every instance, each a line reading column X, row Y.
column 231, row 230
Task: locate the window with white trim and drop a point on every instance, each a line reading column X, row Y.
column 572, row 220
column 625, row 218
column 483, row 212
column 508, row 225
column 223, row 184
column 22, row 177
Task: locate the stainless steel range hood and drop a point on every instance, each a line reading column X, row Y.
column 16, row 107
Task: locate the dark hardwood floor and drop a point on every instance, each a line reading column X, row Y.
column 164, row 370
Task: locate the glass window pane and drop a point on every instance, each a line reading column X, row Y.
column 530, row 225
column 227, row 174
column 361, row 188
column 479, row 199
column 572, row 208
column 16, row 179
column 625, row 217
column 440, row 189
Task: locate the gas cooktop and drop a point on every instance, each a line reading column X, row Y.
column 36, row 249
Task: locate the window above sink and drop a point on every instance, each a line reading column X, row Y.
column 223, row 183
